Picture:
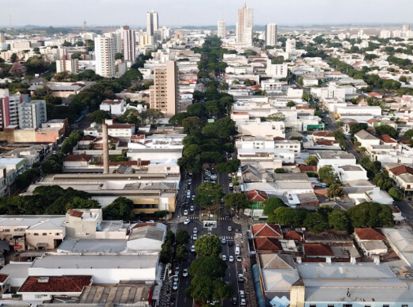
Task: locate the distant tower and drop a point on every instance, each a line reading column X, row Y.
column 152, row 25
column 271, row 34
column 105, row 56
column 129, row 42
column 221, row 29
column 84, row 25
column 244, row 26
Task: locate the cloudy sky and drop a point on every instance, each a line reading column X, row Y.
column 202, row 12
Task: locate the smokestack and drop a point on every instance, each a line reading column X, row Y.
column 105, row 155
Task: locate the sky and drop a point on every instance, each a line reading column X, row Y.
column 202, row 12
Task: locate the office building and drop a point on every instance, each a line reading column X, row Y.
column 164, row 92
column 244, row 26
column 129, row 42
column 152, row 25
column 32, row 114
column 271, row 34
column 221, row 29
column 105, row 56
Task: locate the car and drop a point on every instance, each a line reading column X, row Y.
column 241, row 278
column 241, row 294
column 229, row 228
column 195, row 230
column 231, row 258
column 192, row 248
column 223, row 241
column 192, row 208
column 234, row 300
column 239, row 258
column 185, row 273
column 187, row 221
column 237, row 250
column 243, row 302
column 176, row 278
column 177, row 270
column 175, row 286
column 185, row 212
column 194, row 237
column 193, row 197
column 224, row 257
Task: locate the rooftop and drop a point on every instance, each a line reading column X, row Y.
column 55, row 283
column 115, row 294
column 368, row 234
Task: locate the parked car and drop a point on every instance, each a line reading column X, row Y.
column 185, row 273
column 231, row 258
column 187, row 221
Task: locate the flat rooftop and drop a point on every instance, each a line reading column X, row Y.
column 100, row 262
column 115, row 294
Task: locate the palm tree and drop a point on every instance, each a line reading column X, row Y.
column 335, row 190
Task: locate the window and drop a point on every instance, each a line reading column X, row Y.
column 36, row 234
column 313, row 305
column 347, row 305
column 405, row 305
column 386, row 305
column 330, row 305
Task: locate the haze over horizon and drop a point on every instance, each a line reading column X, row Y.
column 203, row 13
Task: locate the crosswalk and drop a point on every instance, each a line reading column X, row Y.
column 195, row 217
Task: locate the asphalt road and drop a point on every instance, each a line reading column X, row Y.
column 179, row 297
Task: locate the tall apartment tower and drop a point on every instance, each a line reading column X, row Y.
column 65, row 63
column 244, row 26
column 32, row 114
column 9, row 113
column 221, row 29
column 271, row 34
column 163, row 94
column 105, row 56
column 129, row 44
column 152, row 25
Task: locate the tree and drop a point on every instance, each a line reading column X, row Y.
column 338, row 220
column 236, row 201
column 312, row 160
column 208, row 194
column 182, row 237
column 354, row 128
column 326, row 175
column 53, row 164
column 288, row 216
column 166, row 253
column 315, row 222
column 386, row 129
column 208, row 245
column 335, row 190
column 99, row 116
column 120, row 209
column 14, row 58
column 118, row 56
column 291, row 104
column 271, row 204
column 371, row 215
column 383, row 181
column 181, row 253
column 396, row 193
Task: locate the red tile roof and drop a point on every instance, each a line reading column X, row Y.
column 323, row 133
column 317, row 249
column 368, row 234
column 266, row 230
column 401, row 169
column 75, row 213
column 81, row 157
column 267, row 244
column 307, row 168
column 293, row 235
column 387, row 139
column 3, row 277
column 255, row 195
column 55, row 283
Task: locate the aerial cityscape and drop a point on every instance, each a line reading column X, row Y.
column 220, row 153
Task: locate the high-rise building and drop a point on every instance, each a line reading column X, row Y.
column 244, row 26
column 65, row 63
column 152, row 25
column 9, row 115
column 163, row 95
column 290, row 45
column 105, row 56
column 221, row 29
column 129, row 44
column 271, row 34
column 32, row 114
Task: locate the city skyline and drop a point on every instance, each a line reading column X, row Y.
column 295, row 12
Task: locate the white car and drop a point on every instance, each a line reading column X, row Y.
column 239, row 258
column 223, row 241
column 192, row 248
column 231, row 258
column 175, row 286
column 185, row 273
column 195, row 230
column 187, row 221
column 224, row 257
column 194, row 237
column 243, row 302
column 185, row 212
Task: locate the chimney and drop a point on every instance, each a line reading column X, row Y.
column 105, row 153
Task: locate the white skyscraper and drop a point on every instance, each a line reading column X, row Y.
column 152, row 25
column 105, row 56
column 271, row 34
column 245, row 26
column 221, row 29
column 129, row 44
